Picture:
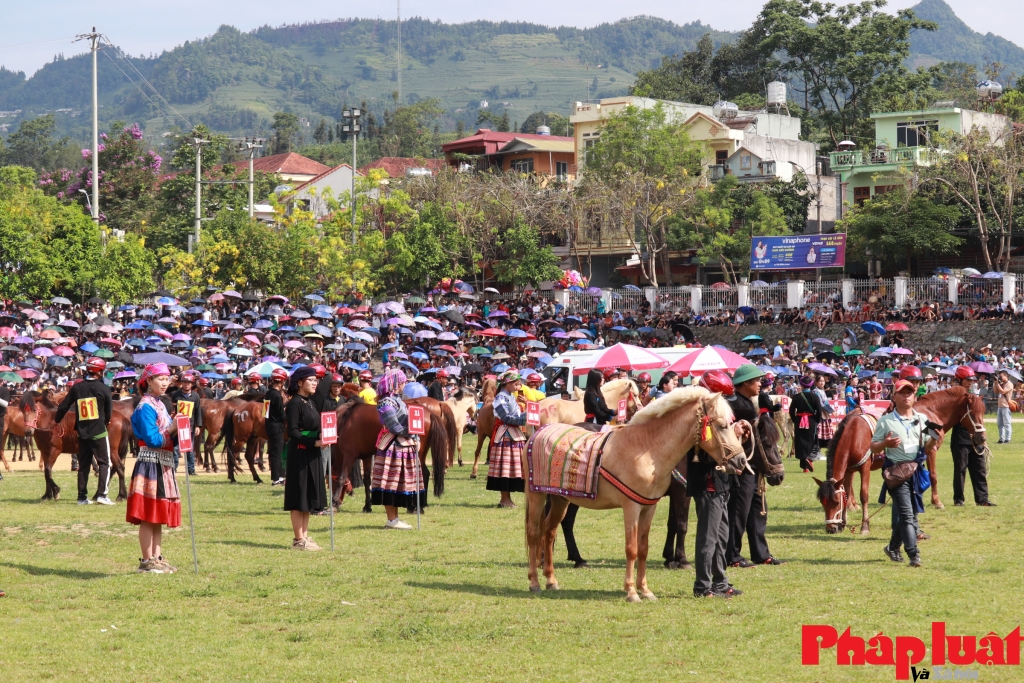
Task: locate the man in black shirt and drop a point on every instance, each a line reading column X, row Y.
column 5, row 399
column 186, row 402
column 94, row 406
column 966, row 457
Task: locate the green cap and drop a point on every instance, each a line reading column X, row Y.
column 745, row 373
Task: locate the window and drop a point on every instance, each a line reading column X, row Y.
column 915, row 133
column 745, row 162
column 522, row 165
column 721, row 156
column 861, row 194
column 561, row 169
column 882, row 189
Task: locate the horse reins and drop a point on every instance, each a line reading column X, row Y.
column 762, row 489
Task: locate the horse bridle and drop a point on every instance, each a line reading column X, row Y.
column 702, row 415
column 977, row 429
column 840, row 517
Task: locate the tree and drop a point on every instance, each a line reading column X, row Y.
column 522, row 260
column 558, row 124
column 692, row 77
column 34, row 146
column 286, row 129
column 321, row 132
column 847, row 58
column 643, row 169
column 504, row 125
column 127, row 272
column 409, row 130
column 983, row 171
column 897, row 226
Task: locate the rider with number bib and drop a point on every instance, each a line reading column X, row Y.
column 186, row 402
column 93, row 405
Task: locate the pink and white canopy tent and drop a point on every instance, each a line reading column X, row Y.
column 708, row 358
column 625, row 356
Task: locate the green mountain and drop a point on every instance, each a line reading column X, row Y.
column 955, row 41
column 234, row 81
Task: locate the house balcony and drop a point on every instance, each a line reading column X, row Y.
column 916, row 156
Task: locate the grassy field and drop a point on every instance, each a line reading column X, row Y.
column 451, row 602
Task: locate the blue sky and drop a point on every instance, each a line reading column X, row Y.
column 33, row 32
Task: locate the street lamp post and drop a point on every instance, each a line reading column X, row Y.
column 351, row 127
column 251, row 145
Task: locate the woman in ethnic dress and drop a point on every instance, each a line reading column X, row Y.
column 505, row 468
column 396, row 479
column 153, row 496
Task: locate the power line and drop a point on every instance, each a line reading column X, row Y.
column 123, row 56
column 41, row 42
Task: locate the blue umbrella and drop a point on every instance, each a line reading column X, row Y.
column 262, row 324
column 943, row 271
column 500, row 367
column 517, row 333
column 202, row 323
column 126, row 307
column 89, row 347
column 313, row 297
column 757, row 352
column 166, row 301
column 534, row 344
column 195, row 310
column 872, row 326
column 867, row 373
column 135, row 342
column 419, row 355
column 159, row 357
column 147, row 312
column 57, row 361
column 752, row 338
column 413, row 389
column 409, row 365
column 354, row 346
column 632, row 288
column 577, row 289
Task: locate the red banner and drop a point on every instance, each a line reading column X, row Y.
column 184, row 425
column 417, row 421
column 621, row 413
column 533, row 413
column 328, row 428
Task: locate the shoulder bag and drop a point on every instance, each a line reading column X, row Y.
column 895, row 475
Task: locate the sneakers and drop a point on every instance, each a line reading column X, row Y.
column 894, row 555
column 396, row 524
column 278, row 482
column 86, row 501
column 103, row 500
column 987, row 504
column 163, row 564
column 299, row 544
column 772, row 560
column 150, row 566
column 311, row 545
column 712, row 594
column 915, row 561
column 743, row 563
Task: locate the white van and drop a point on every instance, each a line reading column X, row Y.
column 558, row 373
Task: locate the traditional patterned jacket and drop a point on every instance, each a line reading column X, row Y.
column 394, row 415
column 509, row 418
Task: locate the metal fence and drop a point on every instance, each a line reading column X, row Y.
column 874, row 291
column 627, row 300
column 768, row 296
column 581, row 302
column 980, row 291
column 826, row 291
column 672, row 299
column 926, row 289
column 713, row 300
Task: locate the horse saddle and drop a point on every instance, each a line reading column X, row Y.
column 565, row 460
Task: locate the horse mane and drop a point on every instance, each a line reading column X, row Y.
column 46, row 398
column 677, row 398
column 345, row 411
column 27, row 403
column 489, row 390
column 827, row 490
column 617, row 384
column 833, row 443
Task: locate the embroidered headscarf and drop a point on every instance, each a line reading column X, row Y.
column 391, row 383
column 154, row 370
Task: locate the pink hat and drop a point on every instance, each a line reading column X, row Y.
column 154, row 370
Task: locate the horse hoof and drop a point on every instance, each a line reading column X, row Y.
column 633, row 598
column 553, row 586
column 472, row 476
column 651, row 597
column 368, row 510
column 864, row 531
column 460, row 463
column 535, row 589
column 939, row 506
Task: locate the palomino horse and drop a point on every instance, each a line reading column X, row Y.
column 54, row 439
column 766, row 460
column 555, row 409
column 358, row 428
column 639, row 459
column 463, row 405
column 849, row 452
column 19, row 420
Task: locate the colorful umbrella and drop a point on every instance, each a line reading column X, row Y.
column 625, row 356
column 709, row 358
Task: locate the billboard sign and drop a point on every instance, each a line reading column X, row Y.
column 798, row 252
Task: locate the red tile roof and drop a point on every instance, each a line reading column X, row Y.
column 288, row 163
column 397, row 166
column 487, row 141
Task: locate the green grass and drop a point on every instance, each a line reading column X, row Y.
column 451, row 602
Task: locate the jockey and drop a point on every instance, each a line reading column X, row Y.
column 643, row 383
column 505, row 471
column 966, row 456
column 397, row 482
column 273, row 414
column 366, row 391
column 532, row 392
column 94, row 406
column 875, row 388
column 913, row 375
column 255, row 385
column 186, row 402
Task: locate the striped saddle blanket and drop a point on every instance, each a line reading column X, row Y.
column 565, row 460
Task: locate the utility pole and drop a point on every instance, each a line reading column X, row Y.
column 399, row 55
column 94, row 38
column 198, row 142
column 251, row 145
column 351, row 127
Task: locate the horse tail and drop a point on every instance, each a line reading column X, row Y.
column 451, row 429
column 438, row 443
column 227, row 431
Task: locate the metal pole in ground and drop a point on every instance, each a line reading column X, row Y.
column 325, row 451
column 191, row 523
column 419, row 479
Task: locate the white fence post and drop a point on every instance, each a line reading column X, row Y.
column 606, row 297
column 695, row 299
column 562, row 297
column 900, row 287
column 847, row 293
column 652, row 297
column 743, row 294
column 954, row 289
column 1009, row 286
column 794, row 294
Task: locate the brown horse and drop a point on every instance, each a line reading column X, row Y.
column 463, row 405
column 639, row 458
column 53, row 439
column 358, row 428
column 19, row 420
column 849, row 452
column 244, row 426
column 214, row 414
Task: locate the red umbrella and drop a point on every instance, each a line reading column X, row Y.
column 896, row 327
column 345, row 310
column 27, row 373
column 110, row 340
column 624, row 356
column 491, row 332
column 721, row 286
column 362, row 309
column 708, row 358
column 65, row 351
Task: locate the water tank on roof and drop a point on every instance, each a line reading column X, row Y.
column 417, row 172
column 543, row 130
column 989, row 91
column 776, row 94
column 725, row 110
